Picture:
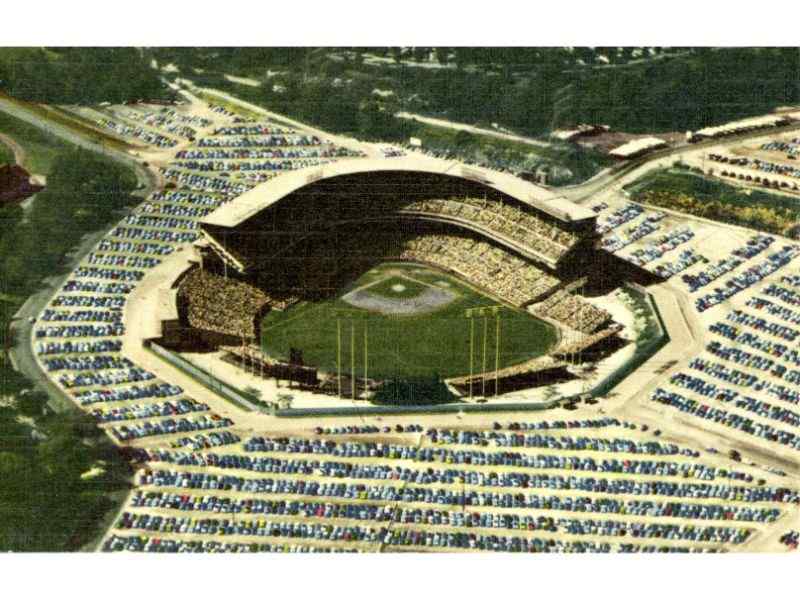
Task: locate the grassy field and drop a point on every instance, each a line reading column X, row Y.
column 40, row 147
column 6, row 155
column 697, row 195
column 436, row 342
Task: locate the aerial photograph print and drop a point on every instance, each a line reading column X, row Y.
column 403, row 299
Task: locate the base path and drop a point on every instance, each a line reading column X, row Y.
column 428, row 301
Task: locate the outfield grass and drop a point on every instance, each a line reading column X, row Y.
column 405, row 346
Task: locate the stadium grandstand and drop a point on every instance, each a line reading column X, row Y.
column 320, row 228
column 528, row 219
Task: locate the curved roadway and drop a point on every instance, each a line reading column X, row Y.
column 21, row 352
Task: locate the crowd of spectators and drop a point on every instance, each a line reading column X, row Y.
column 201, row 291
column 483, row 264
column 573, row 311
column 513, row 222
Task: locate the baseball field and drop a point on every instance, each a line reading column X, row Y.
column 406, row 321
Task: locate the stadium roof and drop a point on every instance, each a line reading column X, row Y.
column 264, row 195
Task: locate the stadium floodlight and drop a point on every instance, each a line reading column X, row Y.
column 352, row 315
column 353, row 359
column 485, row 311
column 339, row 355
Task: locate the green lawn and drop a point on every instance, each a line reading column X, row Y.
column 702, row 196
column 40, row 148
column 405, row 346
column 6, row 155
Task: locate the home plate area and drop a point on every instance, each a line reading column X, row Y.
column 399, row 295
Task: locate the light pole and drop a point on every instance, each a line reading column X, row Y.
column 483, row 311
column 485, row 332
column 339, row 355
column 352, row 314
column 497, row 353
column 471, row 353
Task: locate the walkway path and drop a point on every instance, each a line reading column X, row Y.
column 16, row 149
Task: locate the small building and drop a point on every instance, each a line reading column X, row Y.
column 582, row 130
column 741, row 126
column 637, row 147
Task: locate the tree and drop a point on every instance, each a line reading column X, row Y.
column 31, row 404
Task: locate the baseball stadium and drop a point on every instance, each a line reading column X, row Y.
column 369, row 270
column 304, row 342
